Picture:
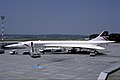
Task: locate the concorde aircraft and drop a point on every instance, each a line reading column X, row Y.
column 92, row 45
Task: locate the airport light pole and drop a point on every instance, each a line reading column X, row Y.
column 2, row 35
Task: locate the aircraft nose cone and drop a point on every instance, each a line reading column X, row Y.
column 15, row 46
column 12, row 45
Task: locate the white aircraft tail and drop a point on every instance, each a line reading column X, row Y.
column 102, row 37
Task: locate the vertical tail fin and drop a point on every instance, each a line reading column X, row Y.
column 102, row 37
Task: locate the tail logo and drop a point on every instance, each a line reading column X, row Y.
column 105, row 38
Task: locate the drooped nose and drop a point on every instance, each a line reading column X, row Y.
column 15, row 46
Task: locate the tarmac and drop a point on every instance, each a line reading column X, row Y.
column 59, row 66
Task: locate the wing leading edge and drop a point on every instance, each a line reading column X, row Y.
column 88, row 46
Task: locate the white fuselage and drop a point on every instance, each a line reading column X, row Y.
column 57, row 43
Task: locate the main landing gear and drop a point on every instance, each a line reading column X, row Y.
column 93, row 53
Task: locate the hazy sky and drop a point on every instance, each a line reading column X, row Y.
column 60, row 16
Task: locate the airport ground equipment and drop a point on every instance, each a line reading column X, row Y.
column 2, row 48
column 2, row 51
column 13, row 52
column 35, row 55
column 26, row 53
column 33, row 52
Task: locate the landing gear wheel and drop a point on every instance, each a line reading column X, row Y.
column 96, row 52
column 92, row 53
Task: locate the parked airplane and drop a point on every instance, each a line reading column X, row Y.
column 92, row 45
